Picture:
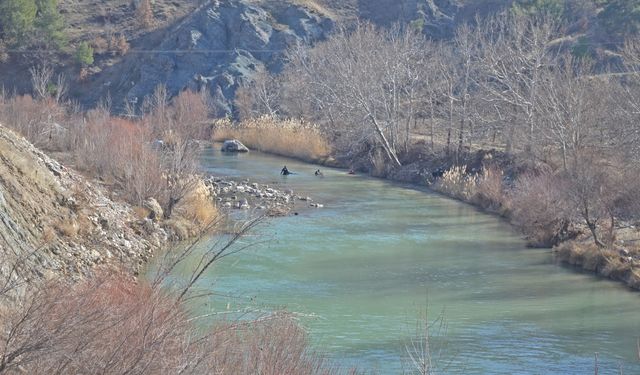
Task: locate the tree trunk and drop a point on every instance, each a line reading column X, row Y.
column 593, row 228
column 391, row 154
column 170, row 206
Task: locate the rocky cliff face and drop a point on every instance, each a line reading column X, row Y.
column 223, row 43
column 53, row 222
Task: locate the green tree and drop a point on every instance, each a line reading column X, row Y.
column 84, row 54
column 17, row 19
column 50, row 23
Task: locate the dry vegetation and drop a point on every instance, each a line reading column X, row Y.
column 291, row 138
column 149, row 156
column 112, row 325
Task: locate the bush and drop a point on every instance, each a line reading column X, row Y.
column 4, row 54
column 144, row 14
column 110, row 324
column 33, row 119
column 119, row 149
column 540, row 209
column 100, row 44
column 119, row 45
column 84, row 54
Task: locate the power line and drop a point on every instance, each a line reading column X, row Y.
column 174, row 51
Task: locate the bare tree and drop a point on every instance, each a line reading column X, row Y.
column 261, row 96
column 516, row 50
column 571, row 111
column 180, row 124
column 368, row 79
column 40, row 79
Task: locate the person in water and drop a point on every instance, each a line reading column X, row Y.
column 351, row 171
column 285, row 171
column 318, row 173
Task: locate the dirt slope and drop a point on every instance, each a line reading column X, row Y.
column 54, row 222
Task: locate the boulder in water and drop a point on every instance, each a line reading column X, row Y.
column 234, row 145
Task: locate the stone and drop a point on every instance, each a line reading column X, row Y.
column 234, row 145
column 148, row 225
column 244, row 205
column 155, row 210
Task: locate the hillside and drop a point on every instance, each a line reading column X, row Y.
column 221, row 44
column 54, row 222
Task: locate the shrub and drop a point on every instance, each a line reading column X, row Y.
column 84, row 54
column 107, row 324
column 119, row 149
column 100, row 44
column 144, row 14
column 110, row 324
column 540, row 209
column 30, row 117
column 4, row 54
column 119, row 45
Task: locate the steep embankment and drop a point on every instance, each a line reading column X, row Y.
column 53, row 222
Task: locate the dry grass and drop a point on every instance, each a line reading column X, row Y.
column 457, row 183
column 68, row 227
column 48, row 235
column 197, row 207
column 489, row 190
column 291, row 138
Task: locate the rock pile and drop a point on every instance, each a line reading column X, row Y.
column 246, row 195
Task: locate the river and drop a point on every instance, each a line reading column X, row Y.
column 363, row 269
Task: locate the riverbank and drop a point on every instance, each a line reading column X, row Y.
column 487, row 179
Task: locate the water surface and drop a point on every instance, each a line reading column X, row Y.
column 362, row 269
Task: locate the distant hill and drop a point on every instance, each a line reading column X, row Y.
column 219, row 44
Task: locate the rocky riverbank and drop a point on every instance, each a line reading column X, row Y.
column 244, row 194
column 56, row 223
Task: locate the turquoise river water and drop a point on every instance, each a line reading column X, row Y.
column 363, row 269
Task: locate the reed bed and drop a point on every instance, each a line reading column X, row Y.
column 291, row 138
